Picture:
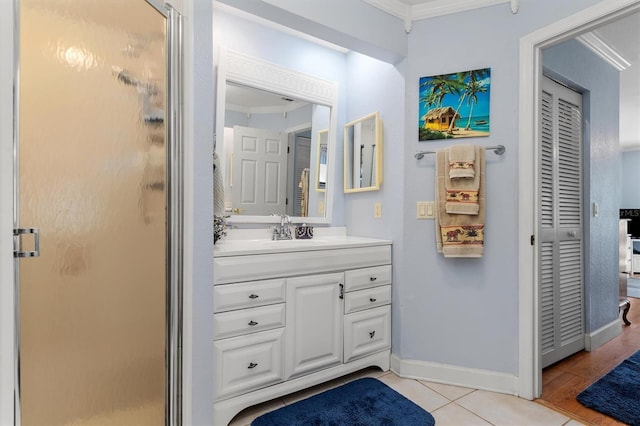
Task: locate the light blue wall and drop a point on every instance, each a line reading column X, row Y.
column 575, row 65
column 630, row 180
column 241, row 35
column 460, row 312
column 201, row 299
column 373, row 86
column 464, row 312
column 353, row 24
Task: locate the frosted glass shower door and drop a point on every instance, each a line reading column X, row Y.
column 92, row 164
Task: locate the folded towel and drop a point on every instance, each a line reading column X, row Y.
column 462, row 160
column 458, row 235
column 462, row 194
column 218, row 187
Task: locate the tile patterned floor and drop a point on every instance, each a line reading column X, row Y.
column 449, row 405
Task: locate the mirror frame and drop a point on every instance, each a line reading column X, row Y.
column 379, row 152
column 253, row 72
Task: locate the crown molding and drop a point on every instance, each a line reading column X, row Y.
column 604, row 50
column 393, row 7
column 434, row 8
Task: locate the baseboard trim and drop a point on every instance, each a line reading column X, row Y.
column 594, row 340
column 454, row 375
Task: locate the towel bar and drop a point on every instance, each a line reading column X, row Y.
column 498, row 149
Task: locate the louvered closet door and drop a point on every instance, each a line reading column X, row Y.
column 560, row 232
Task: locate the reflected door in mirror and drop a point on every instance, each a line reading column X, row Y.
column 259, row 175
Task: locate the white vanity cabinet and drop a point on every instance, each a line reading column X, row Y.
column 314, row 314
column 293, row 315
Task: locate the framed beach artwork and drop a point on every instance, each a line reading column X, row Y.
column 454, row 105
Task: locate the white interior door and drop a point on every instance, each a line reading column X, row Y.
column 259, row 171
column 561, row 228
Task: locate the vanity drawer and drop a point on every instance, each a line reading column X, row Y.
column 367, row 332
column 358, row 279
column 369, row 298
column 248, row 294
column 244, row 321
column 249, row 362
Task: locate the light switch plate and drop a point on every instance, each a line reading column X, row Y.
column 425, row 210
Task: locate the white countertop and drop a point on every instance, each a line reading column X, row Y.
column 239, row 242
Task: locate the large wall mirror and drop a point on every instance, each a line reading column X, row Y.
column 274, row 130
column 363, row 154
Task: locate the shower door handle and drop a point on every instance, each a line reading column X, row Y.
column 17, row 242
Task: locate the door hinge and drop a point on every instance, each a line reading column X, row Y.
column 341, row 291
column 533, row 240
column 17, row 242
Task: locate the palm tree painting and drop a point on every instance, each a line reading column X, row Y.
column 454, row 105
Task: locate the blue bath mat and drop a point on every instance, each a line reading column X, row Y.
column 363, row 402
column 617, row 393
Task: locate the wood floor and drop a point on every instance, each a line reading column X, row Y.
column 564, row 380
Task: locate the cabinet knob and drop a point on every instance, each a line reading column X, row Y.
column 252, row 323
column 373, row 278
column 252, row 365
column 372, row 333
column 372, row 299
column 253, row 296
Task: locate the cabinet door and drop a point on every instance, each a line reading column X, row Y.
column 314, row 323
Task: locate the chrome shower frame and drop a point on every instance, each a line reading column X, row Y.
column 175, row 212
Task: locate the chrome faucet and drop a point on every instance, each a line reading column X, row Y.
column 282, row 232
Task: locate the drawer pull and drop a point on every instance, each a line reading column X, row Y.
column 253, row 296
column 373, row 278
column 372, row 333
column 252, row 323
column 372, row 299
column 252, row 365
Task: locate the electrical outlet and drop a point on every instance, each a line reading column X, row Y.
column 377, row 210
column 425, row 210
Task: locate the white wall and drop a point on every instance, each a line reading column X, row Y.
column 630, row 180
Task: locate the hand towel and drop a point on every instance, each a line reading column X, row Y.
column 218, row 187
column 462, row 193
column 462, row 160
column 458, row 235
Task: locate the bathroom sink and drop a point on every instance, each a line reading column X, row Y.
column 239, row 246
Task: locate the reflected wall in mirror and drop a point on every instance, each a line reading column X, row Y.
column 321, row 167
column 363, row 154
column 270, row 150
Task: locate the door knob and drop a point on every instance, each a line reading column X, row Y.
column 572, row 234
